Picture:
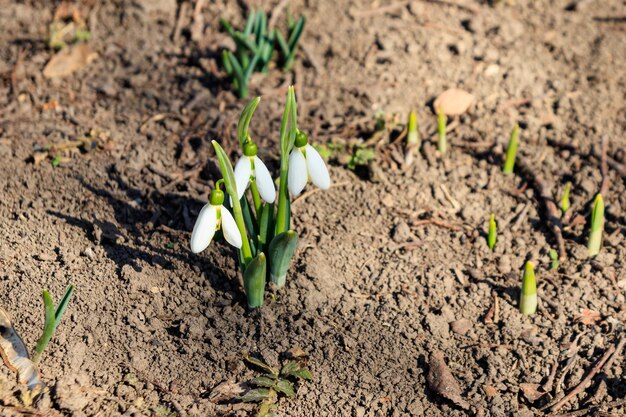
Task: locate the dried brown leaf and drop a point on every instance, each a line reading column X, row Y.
column 454, row 101
column 441, row 381
column 15, row 355
column 588, row 317
column 532, row 392
column 227, row 391
column 69, row 60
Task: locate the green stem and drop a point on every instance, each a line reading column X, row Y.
column 256, row 198
column 241, row 225
column 282, row 215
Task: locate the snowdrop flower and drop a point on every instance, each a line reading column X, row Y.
column 251, row 168
column 306, row 163
column 212, row 217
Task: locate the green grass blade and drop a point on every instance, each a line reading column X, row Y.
column 244, row 41
column 228, row 27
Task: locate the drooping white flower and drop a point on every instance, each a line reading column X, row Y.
column 306, row 163
column 251, row 168
column 212, row 217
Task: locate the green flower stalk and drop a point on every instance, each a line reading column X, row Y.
column 597, row 226
column 511, row 152
column 442, row 142
column 528, row 296
column 491, row 238
column 565, row 204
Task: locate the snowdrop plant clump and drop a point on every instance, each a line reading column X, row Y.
column 259, row 226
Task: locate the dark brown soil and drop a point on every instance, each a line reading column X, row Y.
column 374, row 291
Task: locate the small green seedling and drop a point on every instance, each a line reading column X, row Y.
column 259, row 227
column 413, row 141
column 289, row 47
column 52, row 319
column 511, row 152
column 272, row 383
column 528, row 296
column 492, row 236
column 565, row 204
column 554, row 257
column 442, row 142
column 254, row 47
column 597, row 226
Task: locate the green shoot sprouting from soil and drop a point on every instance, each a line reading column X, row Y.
column 554, row 258
column 491, row 238
column 273, row 383
column 52, row 319
column 597, row 226
column 565, row 204
column 442, row 142
column 511, row 152
column 257, row 227
column 528, row 296
column 289, row 47
column 412, row 139
column 254, row 47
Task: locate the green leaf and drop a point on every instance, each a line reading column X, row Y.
column 285, row 387
column 227, row 171
column 303, row 373
column 283, row 213
column 246, row 42
column 511, row 152
column 250, row 24
column 244, row 120
column 597, row 226
column 281, row 251
column 265, row 225
column 289, row 368
column 228, row 27
column 254, row 281
column 553, row 254
column 63, row 305
column 257, row 362
column 263, row 381
column 255, row 395
column 295, row 34
column 49, row 326
column 293, row 368
column 282, row 43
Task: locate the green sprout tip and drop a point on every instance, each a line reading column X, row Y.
column 597, row 226
column 511, row 152
column 565, row 204
column 491, row 238
column 528, row 296
column 442, row 142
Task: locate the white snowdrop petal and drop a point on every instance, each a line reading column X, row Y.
column 297, row 176
column 204, row 229
column 229, row 227
column 264, row 182
column 243, row 170
column 317, row 168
